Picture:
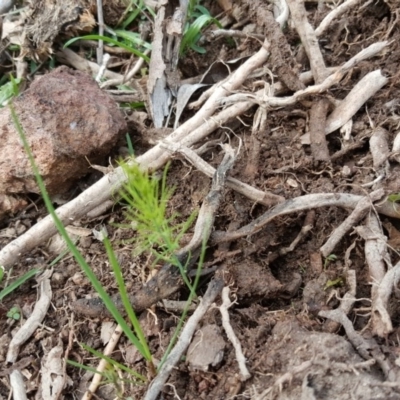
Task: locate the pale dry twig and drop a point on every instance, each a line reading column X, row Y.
column 226, row 303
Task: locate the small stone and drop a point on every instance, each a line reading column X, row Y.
column 68, row 121
column 85, row 242
column 206, row 349
column 58, row 279
column 79, row 279
column 346, row 171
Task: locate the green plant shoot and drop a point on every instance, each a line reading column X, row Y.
column 142, row 348
column 147, row 198
column 109, row 40
column 394, row 197
column 14, row 313
column 9, row 90
column 17, row 283
column 198, row 18
column 334, row 283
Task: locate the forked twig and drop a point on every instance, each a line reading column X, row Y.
column 265, row 198
column 359, row 212
column 367, row 349
column 307, row 202
column 226, row 303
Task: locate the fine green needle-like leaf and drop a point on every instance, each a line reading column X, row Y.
column 87, row 368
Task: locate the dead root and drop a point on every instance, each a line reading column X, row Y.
column 213, row 290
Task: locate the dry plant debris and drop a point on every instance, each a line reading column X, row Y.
column 303, row 232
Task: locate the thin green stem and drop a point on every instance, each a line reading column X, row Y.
column 125, row 299
column 74, row 250
column 190, row 299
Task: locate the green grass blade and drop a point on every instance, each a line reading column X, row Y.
column 74, row 250
column 14, row 285
column 61, row 256
column 192, row 33
column 113, row 362
column 125, row 300
column 90, row 369
column 109, row 40
column 132, row 37
column 130, row 145
column 137, row 8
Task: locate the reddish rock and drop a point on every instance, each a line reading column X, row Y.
column 66, row 119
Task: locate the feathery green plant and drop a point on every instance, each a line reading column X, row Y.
column 147, row 198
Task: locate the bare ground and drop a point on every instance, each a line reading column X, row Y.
column 291, row 351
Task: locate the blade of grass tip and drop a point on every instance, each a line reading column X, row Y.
column 90, row 369
column 113, row 362
column 198, row 49
column 74, row 250
column 14, row 285
column 125, row 298
column 130, row 145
